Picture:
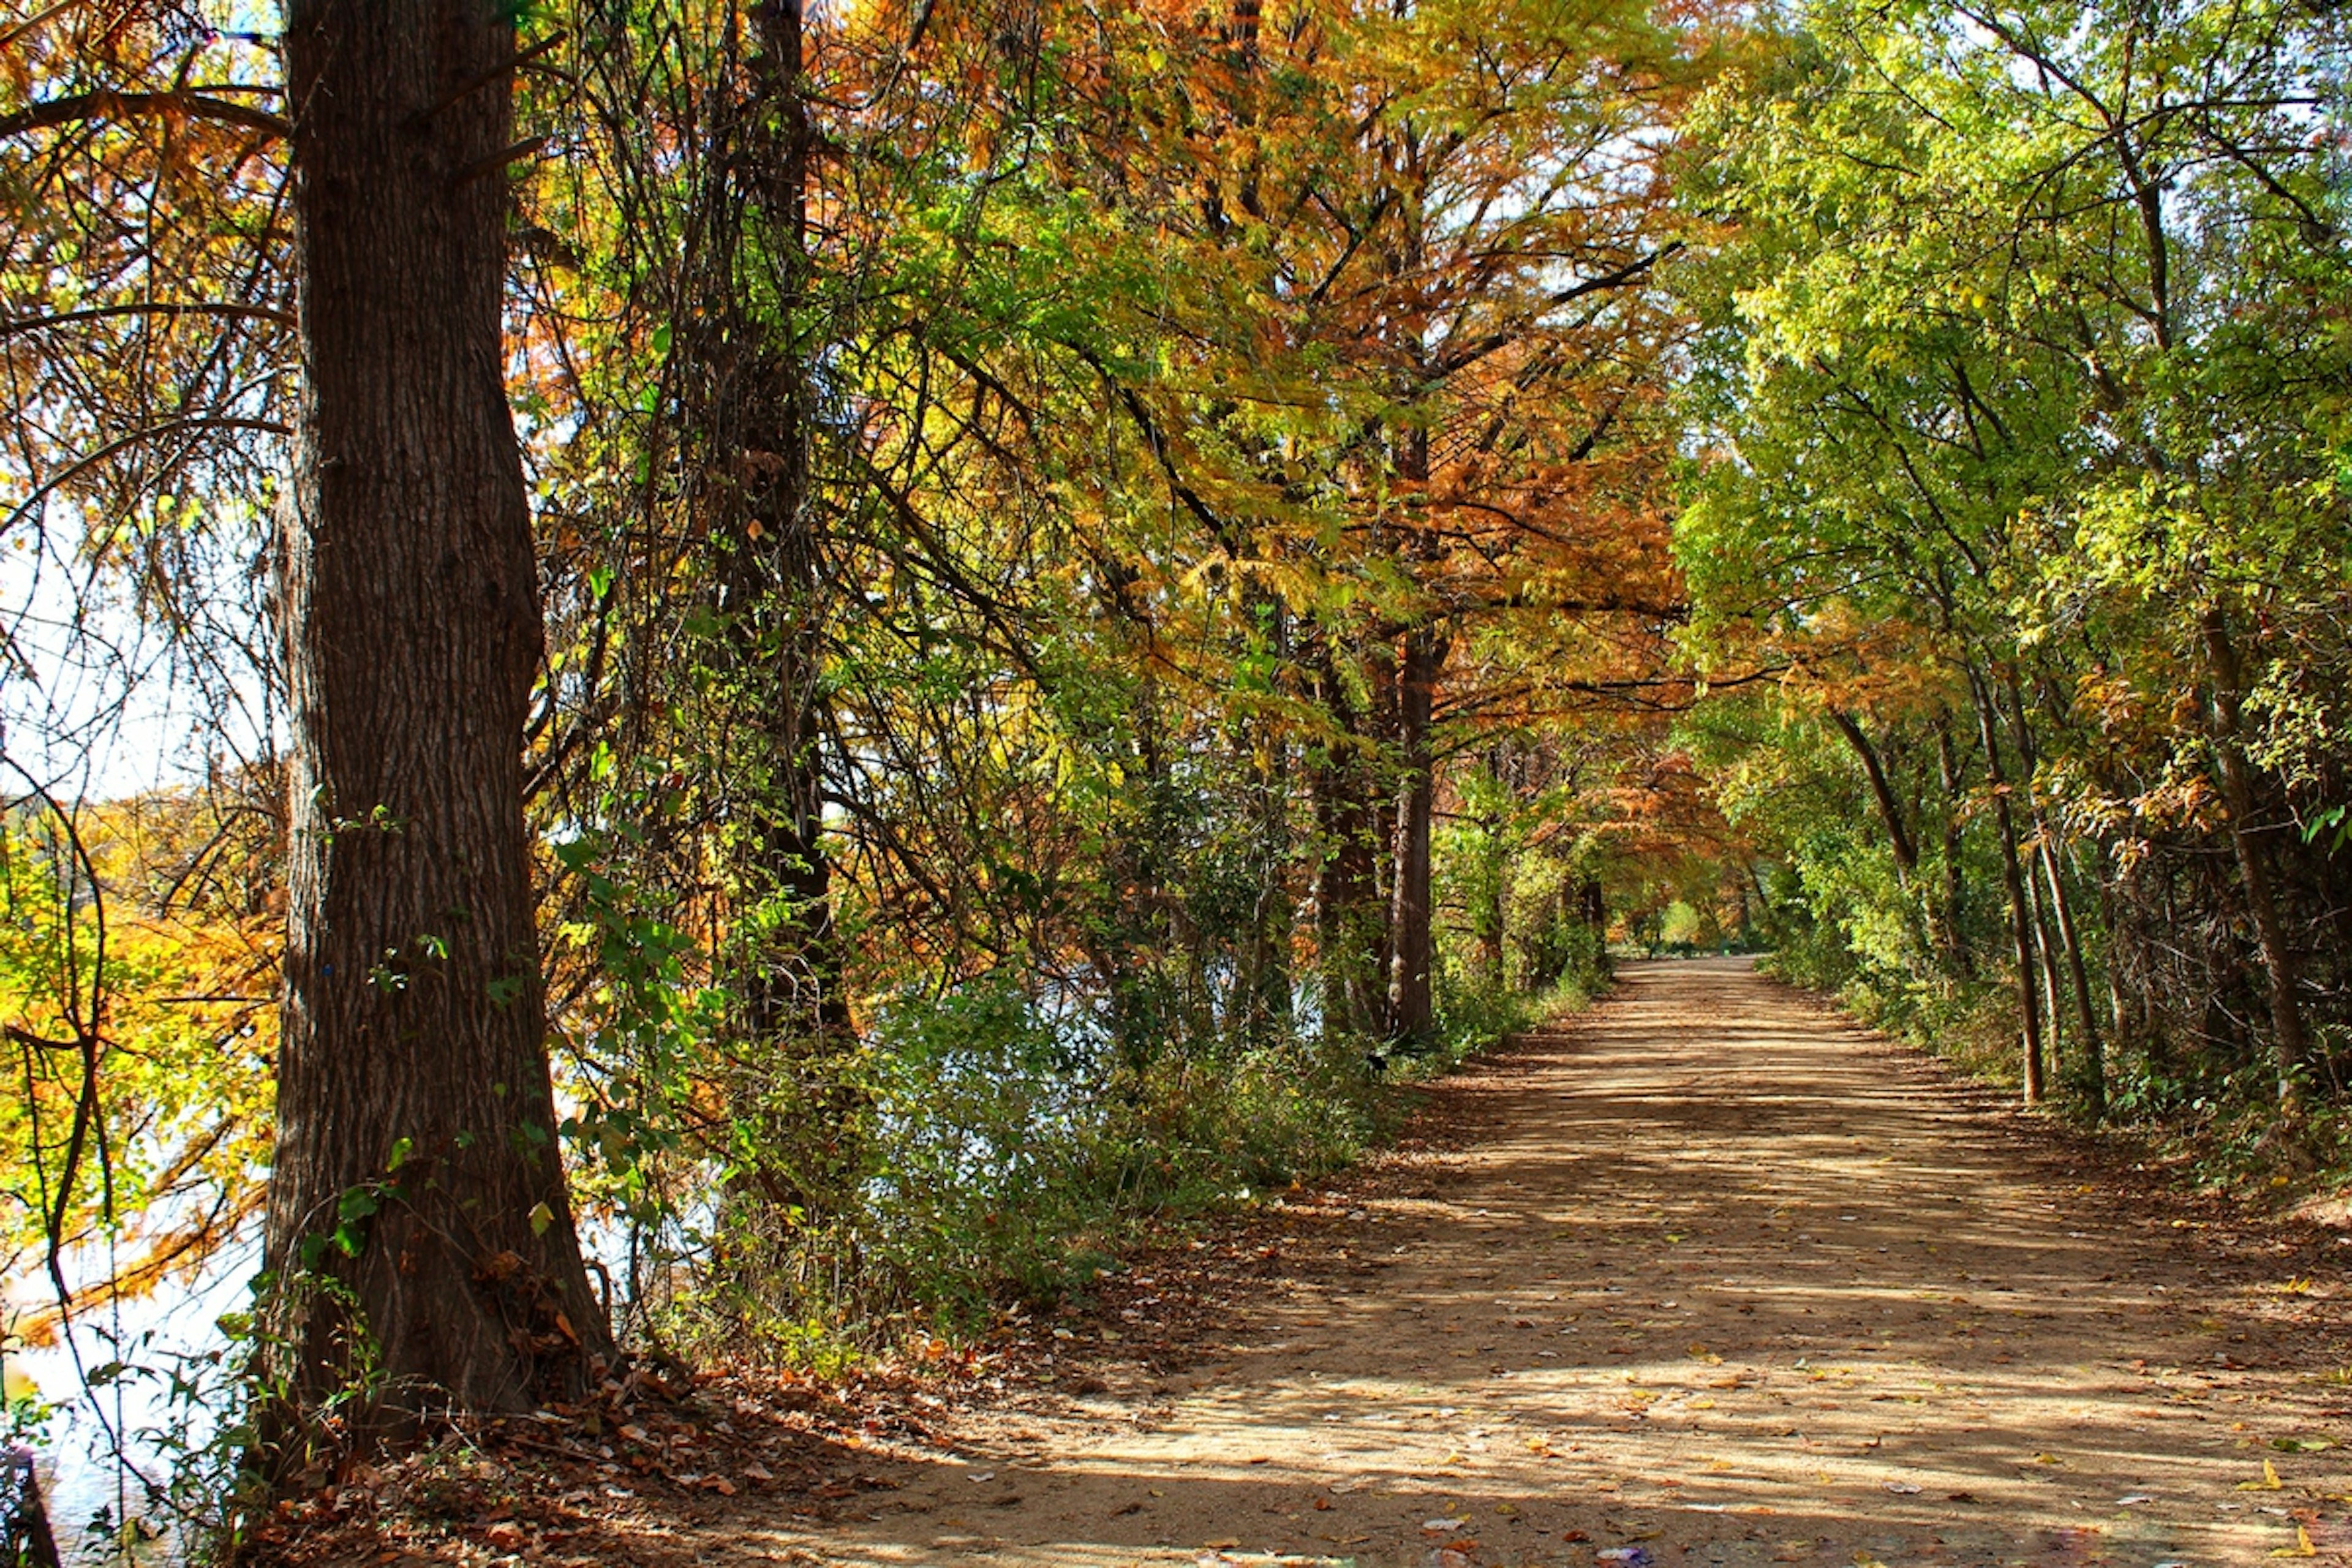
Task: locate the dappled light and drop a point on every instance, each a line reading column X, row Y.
column 1714, row 1277
column 844, row 782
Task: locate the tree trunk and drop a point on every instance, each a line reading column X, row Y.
column 1411, row 1014
column 1881, row 791
column 2045, row 941
column 418, row 1229
column 747, row 421
column 2288, row 1046
column 1349, row 935
column 2012, row 881
column 2070, row 946
column 2059, row 942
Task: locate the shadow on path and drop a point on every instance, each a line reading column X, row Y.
column 1717, row 1278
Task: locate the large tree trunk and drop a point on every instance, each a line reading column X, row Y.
column 418, row 1228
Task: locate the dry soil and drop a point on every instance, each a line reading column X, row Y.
column 1707, row 1274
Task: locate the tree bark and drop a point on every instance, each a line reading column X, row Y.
column 419, row 1230
column 2288, row 1046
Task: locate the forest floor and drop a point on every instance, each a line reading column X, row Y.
column 1707, row 1274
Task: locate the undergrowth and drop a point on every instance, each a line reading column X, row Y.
column 2219, row 1132
column 1006, row 1167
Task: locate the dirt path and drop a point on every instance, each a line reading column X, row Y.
column 1714, row 1277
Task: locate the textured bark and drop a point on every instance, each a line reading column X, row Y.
column 413, row 1080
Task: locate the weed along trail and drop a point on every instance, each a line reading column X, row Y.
column 1704, row 1276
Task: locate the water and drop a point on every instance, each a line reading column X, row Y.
column 115, row 1431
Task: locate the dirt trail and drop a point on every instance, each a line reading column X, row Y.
column 1712, row 1278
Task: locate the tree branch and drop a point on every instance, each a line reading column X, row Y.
column 107, row 104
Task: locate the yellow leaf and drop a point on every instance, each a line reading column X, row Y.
column 2302, row 1547
column 2269, row 1483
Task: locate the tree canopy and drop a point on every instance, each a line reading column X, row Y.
column 872, row 644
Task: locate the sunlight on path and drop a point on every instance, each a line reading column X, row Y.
column 1725, row 1281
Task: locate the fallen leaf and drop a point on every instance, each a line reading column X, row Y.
column 2302, row 1547
column 2269, row 1483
